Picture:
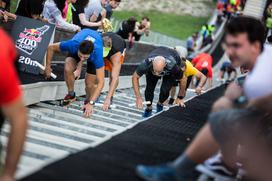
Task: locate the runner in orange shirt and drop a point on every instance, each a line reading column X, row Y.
column 113, row 59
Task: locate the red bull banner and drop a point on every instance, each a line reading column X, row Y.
column 32, row 38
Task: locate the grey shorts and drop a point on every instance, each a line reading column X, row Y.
column 234, row 126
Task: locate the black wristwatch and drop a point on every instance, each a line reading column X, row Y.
column 180, row 97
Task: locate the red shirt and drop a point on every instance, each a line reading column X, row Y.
column 203, row 60
column 9, row 82
column 220, row 6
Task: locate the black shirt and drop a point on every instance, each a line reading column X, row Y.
column 125, row 29
column 27, row 8
column 109, row 11
column 118, row 44
column 77, row 10
column 173, row 62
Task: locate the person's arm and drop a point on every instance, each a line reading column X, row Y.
column 84, row 21
column 182, row 91
column 263, row 104
column 131, row 39
column 93, row 18
column 13, row 109
column 232, row 92
column 100, row 84
column 77, row 72
column 138, row 30
column 104, row 13
column 234, row 74
column 116, row 61
column 136, row 88
column 8, row 15
column 202, row 82
column 100, row 76
column 49, row 56
column 210, row 82
column 220, row 75
column 60, row 22
column 147, row 29
column 16, row 114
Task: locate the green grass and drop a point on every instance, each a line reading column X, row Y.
column 179, row 26
column 173, row 25
column 13, row 5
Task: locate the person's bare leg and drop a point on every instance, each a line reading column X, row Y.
column 69, row 68
column 222, row 104
column 173, row 92
column 115, row 86
column 203, row 146
column 90, row 85
column 205, row 142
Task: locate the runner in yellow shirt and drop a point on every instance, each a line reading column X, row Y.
column 189, row 72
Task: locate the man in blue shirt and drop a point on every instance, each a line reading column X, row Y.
column 86, row 45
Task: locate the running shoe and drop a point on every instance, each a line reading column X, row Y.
column 68, row 99
column 214, row 167
column 147, row 113
column 156, row 173
column 159, row 108
column 171, row 101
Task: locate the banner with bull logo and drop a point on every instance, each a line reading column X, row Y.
column 32, row 38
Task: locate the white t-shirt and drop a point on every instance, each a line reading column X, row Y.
column 93, row 8
column 259, row 82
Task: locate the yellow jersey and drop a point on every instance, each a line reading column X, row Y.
column 190, row 69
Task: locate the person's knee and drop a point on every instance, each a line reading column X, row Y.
column 69, row 67
column 164, row 93
column 90, row 81
column 173, row 90
column 149, row 88
column 149, row 93
column 221, row 104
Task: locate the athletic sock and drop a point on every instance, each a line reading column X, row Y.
column 72, row 93
column 149, row 108
column 184, row 166
column 171, row 101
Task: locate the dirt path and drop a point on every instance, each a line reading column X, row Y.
column 181, row 7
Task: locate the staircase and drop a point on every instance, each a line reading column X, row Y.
column 56, row 132
column 255, row 8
